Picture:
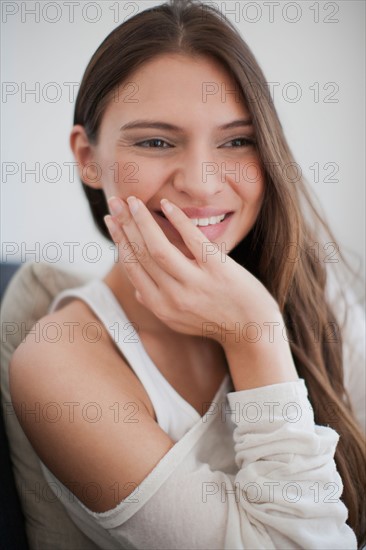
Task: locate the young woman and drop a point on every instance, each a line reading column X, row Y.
column 211, row 425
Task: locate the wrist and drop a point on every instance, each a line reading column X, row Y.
column 260, row 365
column 254, row 336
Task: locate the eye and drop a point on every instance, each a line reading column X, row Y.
column 245, row 142
column 151, row 143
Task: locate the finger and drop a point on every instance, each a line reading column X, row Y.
column 122, row 215
column 165, row 254
column 137, row 275
column 194, row 239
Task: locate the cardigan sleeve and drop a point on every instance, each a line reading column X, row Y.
column 285, row 492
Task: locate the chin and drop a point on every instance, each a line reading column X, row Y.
column 184, row 249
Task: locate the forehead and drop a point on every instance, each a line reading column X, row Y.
column 178, row 86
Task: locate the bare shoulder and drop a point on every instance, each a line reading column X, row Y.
column 74, row 329
column 90, row 423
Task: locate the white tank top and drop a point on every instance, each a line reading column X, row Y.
column 173, row 413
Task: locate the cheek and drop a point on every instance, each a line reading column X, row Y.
column 252, row 187
column 134, row 177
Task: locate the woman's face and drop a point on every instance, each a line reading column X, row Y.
column 164, row 135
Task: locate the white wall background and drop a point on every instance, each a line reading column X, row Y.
column 319, row 46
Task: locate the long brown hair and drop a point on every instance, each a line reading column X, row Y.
column 193, row 28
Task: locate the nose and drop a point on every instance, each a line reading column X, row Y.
column 199, row 175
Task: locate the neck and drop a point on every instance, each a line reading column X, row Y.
column 119, row 283
column 147, row 322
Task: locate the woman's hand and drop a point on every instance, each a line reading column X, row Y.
column 210, row 296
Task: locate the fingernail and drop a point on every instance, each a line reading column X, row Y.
column 109, row 222
column 166, row 205
column 133, row 204
column 115, row 206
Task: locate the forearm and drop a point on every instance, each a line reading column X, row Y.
column 260, row 363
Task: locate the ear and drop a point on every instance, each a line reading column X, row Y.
column 83, row 150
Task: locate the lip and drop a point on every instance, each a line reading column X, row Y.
column 212, row 232
column 204, row 212
column 200, row 212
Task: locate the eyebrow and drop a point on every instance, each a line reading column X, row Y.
column 136, row 124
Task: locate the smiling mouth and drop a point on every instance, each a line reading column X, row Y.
column 203, row 222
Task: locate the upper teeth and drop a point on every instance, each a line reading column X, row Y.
column 208, row 221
